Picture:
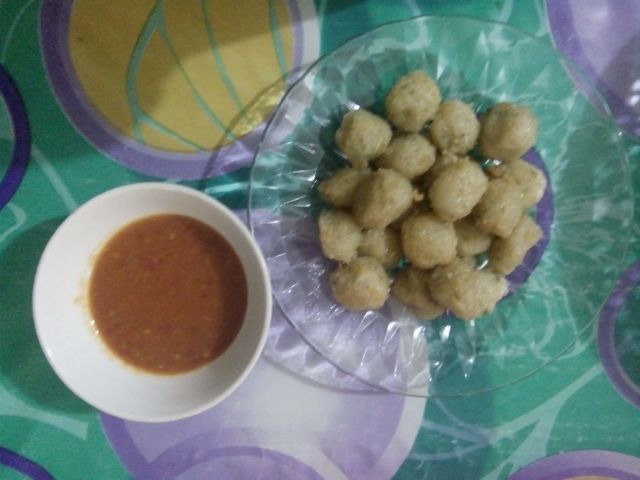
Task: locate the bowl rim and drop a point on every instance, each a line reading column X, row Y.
column 264, row 289
column 573, row 71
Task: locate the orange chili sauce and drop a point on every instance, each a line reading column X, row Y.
column 167, row 293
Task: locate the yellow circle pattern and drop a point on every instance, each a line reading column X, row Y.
column 182, row 75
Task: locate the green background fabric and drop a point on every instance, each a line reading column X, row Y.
column 569, row 405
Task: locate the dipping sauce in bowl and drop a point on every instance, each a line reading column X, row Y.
column 167, row 294
column 152, row 302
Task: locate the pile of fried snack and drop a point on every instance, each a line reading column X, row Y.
column 413, row 213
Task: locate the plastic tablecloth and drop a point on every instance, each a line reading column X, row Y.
column 100, row 93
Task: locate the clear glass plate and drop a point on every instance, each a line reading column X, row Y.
column 586, row 213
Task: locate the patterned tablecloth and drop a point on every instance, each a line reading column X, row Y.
column 100, row 93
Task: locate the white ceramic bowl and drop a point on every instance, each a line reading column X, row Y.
column 79, row 356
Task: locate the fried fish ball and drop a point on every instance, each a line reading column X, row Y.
column 411, row 286
column 340, row 235
column 506, row 254
column 500, row 208
column 411, row 155
column 362, row 136
column 381, row 197
column 414, row 208
column 507, row 131
column 443, row 161
column 457, row 190
column 465, row 291
column 362, row 284
column 339, row 188
column 471, row 240
column 529, row 178
column 383, row 244
column 427, row 240
column 412, row 101
column 455, row 127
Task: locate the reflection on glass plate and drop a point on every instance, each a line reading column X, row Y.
column 589, row 202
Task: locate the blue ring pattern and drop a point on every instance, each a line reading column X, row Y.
column 22, row 138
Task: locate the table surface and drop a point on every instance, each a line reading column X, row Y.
column 97, row 94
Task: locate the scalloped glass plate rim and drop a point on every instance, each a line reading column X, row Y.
column 573, row 69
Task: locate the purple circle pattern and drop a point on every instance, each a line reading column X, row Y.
column 54, row 29
column 256, row 461
column 21, row 464
column 228, row 435
column 22, row 138
column 606, row 345
column 611, row 22
column 566, row 466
